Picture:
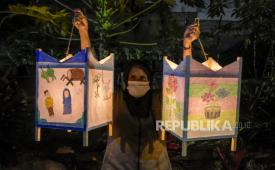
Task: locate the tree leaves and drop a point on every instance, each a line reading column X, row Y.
column 216, row 7
column 54, row 21
column 257, row 16
column 194, row 3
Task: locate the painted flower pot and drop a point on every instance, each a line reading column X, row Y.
column 212, row 112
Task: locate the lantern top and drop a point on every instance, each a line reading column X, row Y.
column 209, row 67
column 105, row 63
column 80, row 57
column 212, row 64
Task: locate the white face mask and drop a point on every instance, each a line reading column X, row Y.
column 138, row 88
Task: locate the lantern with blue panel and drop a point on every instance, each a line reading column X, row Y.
column 201, row 100
column 65, row 96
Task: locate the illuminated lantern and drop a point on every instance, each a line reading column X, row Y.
column 201, row 100
column 70, row 95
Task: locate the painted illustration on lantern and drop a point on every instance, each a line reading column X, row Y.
column 49, row 102
column 101, row 96
column 48, row 74
column 107, row 94
column 67, row 102
column 99, row 81
column 216, row 101
column 61, row 100
column 171, row 94
column 74, row 74
column 96, row 81
column 212, row 97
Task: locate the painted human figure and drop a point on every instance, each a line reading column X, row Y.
column 106, row 89
column 67, row 102
column 172, row 84
column 49, row 103
column 97, row 84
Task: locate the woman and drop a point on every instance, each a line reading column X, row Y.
column 67, row 102
column 135, row 143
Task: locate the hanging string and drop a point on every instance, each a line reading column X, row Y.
column 203, row 51
column 197, row 21
column 65, row 6
column 70, row 38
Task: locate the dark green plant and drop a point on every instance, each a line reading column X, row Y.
column 257, row 108
column 51, row 21
column 193, row 3
column 112, row 19
column 231, row 160
column 256, row 18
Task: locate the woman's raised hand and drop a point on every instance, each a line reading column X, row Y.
column 191, row 33
column 80, row 21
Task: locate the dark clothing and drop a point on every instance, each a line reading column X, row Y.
column 135, row 143
column 138, row 107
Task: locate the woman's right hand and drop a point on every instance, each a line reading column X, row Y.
column 191, row 33
column 80, row 21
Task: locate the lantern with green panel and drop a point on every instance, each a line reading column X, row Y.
column 201, row 100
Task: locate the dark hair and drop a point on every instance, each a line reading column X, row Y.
column 46, row 91
column 139, row 64
column 67, row 91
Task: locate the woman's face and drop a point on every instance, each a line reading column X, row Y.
column 137, row 74
column 66, row 93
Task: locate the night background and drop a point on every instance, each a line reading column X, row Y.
column 145, row 30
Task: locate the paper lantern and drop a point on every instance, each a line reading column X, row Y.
column 201, row 100
column 70, row 95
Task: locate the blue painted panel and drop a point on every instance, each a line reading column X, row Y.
column 80, row 57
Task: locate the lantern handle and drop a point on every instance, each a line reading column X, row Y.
column 67, row 55
column 197, row 21
column 70, row 38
